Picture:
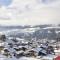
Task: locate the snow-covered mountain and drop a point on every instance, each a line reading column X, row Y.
column 38, row 31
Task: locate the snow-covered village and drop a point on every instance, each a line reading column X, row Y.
column 40, row 42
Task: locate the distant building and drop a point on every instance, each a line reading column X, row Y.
column 2, row 37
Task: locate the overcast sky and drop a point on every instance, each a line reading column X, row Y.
column 30, row 12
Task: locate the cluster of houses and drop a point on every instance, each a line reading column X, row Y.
column 17, row 47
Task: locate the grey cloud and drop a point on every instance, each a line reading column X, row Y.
column 46, row 1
